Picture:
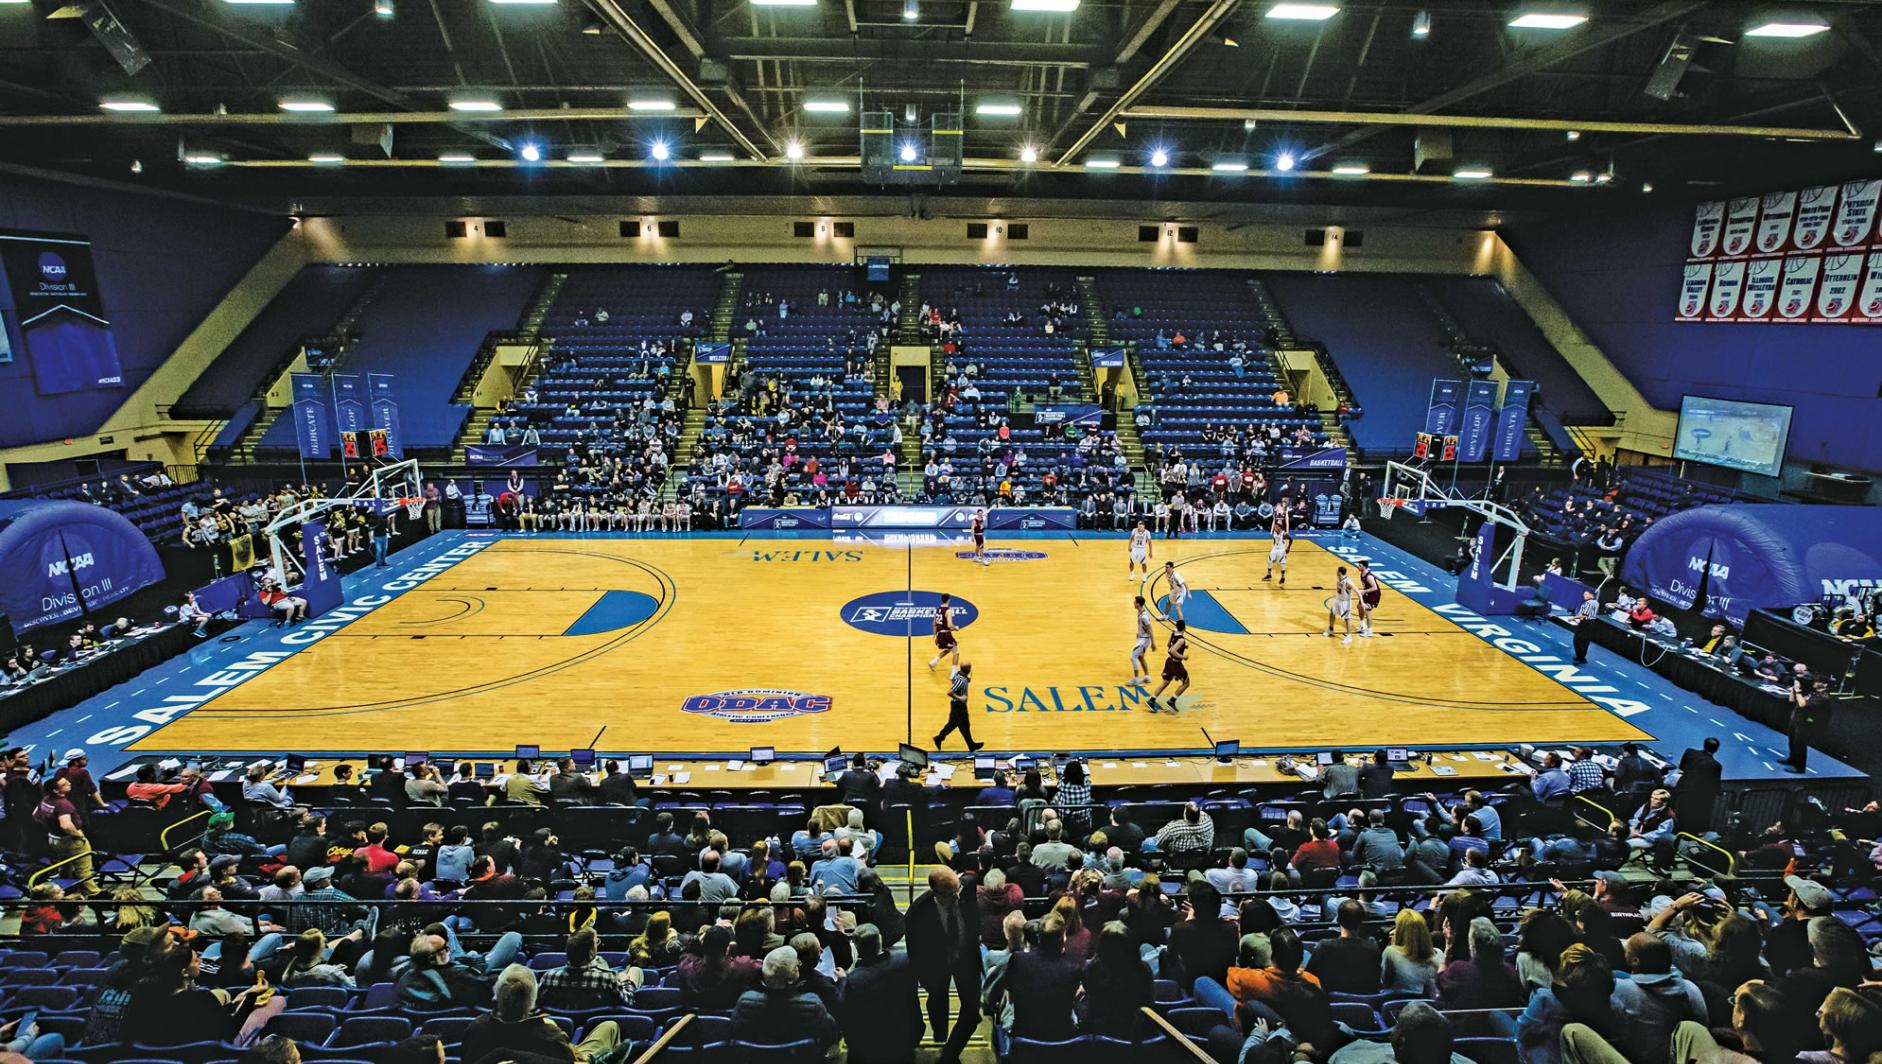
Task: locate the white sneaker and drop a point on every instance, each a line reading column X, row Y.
column 1348, row 641
column 1328, row 633
column 1367, row 632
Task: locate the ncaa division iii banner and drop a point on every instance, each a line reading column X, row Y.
column 63, row 326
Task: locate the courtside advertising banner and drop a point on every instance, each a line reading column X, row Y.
column 63, row 325
column 320, row 581
column 1441, row 415
column 385, row 411
column 1512, row 420
column 313, row 429
column 1473, row 435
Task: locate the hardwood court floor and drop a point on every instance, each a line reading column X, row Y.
column 572, row 642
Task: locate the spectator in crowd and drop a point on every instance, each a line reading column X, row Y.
column 1351, row 963
column 879, row 1011
column 780, row 1009
column 513, row 1028
column 944, row 948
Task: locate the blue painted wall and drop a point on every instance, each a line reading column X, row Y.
column 1618, row 277
column 162, row 265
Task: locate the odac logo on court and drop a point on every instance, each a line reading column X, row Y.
column 756, row 705
column 904, row 613
column 1004, row 554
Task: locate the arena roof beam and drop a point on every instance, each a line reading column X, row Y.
column 325, row 68
column 1586, row 38
column 1170, row 60
column 973, row 52
column 1557, row 125
column 690, row 40
column 1127, row 50
column 392, row 118
column 617, row 18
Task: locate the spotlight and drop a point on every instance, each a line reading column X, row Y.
column 1159, row 157
column 911, row 10
column 1573, row 134
column 382, row 8
column 660, row 151
column 1421, row 25
column 1030, row 154
column 794, row 150
column 908, row 152
column 531, row 153
column 1646, row 186
column 1284, row 162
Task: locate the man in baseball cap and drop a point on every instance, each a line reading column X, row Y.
column 1788, row 944
column 84, row 789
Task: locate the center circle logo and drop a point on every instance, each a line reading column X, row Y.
column 1004, row 554
column 904, row 613
column 51, row 266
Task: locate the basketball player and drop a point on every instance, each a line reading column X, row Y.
column 1370, row 593
column 979, row 531
column 1342, row 605
column 957, row 708
column 1179, row 592
column 1140, row 553
column 1175, row 669
column 944, row 641
column 1283, row 542
column 1146, row 645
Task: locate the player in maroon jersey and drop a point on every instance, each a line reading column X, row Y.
column 945, row 642
column 1371, row 592
column 979, row 532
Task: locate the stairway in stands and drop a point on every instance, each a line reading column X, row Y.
column 333, row 348
column 1281, row 337
column 724, row 313
column 528, row 330
column 907, row 327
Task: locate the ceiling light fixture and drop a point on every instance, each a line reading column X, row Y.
column 1159, row 157
column 1352, row 169
column 531, row 152
column 1230, row 166
column 382, row 8
column 997, row 109
column 1421, row 25
column 1472, row 173
column 660, row 151
column 827, row 107
column 1030, row 154
column 1581, row 177
column 1573, row 134
column 1102, row 164
column 523, row 3
column 1284, row 162
column 203, row 158
column 784, row 3
column 476, row 105
column 1548, row 20
column 1303, row 12
column 794, row 151
column 715, row 156
column 457, row 158
column 304, row 105
column 1604, row 177
column 128, row 105
column 1051, row 6
column 1646, row 186
column 260, row 3
column 650, row 103
column 326, row 158
column 1788, row 29
column 587, row 158
column 911, row 10
column 907, row 154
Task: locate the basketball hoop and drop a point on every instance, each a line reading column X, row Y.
column 414, row 507
column 1388, row 504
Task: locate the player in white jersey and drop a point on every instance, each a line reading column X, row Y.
column 1179, row 592
column 1283, row 542
column 1140, row 553
column 1341, row 605
column 1146, row 644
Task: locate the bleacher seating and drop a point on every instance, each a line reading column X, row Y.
column 156, row 511
column 424, row 326
column 313, row 300
column 1639, row 495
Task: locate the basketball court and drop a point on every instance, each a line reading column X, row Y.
column 717, row 644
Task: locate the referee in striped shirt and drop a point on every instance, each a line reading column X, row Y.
column 1590, row 609
column 957, row 708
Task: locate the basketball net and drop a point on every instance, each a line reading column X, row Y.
column 414, row 506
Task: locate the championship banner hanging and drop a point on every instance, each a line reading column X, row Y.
column 1798, row 287
column 1837, row 282
column 1761, row 279
column 1855, row 214
column 63, row 326
column 1814, row 249
column 1741, row 221
column 1816, row 208
column 1774, row 222
column 1728, row 282
column 1693, row 290
column 1869, row 297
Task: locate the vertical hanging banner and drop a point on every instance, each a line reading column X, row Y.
column 1512, row 420
column 1855, row 214
column 1693, row 289
column 1836, row 285
column 1869, row 296
column 1473, row 435
column 1816, row 209
column 1798, row 287
column 63, row 326
column 349, row 412
column 1708, row 219
column 1774, row 222
column 1728, row 282
column 385, row 416
column 1761, row 277
column 1741, row 222
column 313, row 430
column 1441, row 414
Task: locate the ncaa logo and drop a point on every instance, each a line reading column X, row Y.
column 52, row 267
column 1003, row 554
column 904, row 613
column 756, row 705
